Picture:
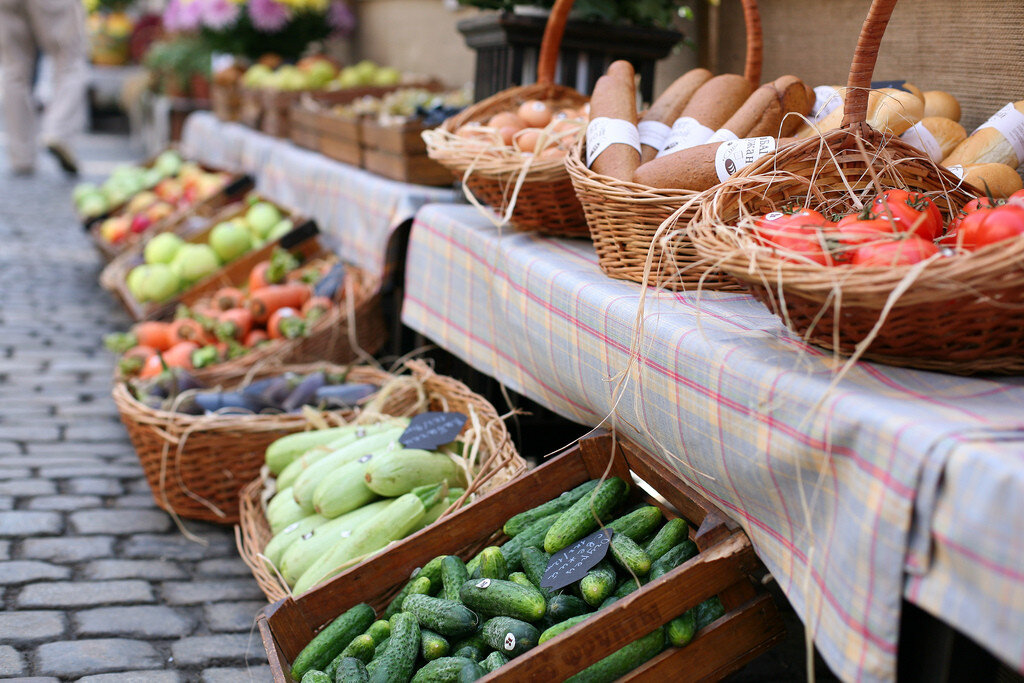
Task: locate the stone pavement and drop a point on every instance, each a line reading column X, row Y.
column 96, row 583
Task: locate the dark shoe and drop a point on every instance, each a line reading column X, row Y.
column 64, row 157
column 23, row 171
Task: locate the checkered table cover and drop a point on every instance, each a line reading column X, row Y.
column 892, row 482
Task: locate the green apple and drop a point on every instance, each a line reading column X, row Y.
column 82, row 190
column 136, row 276
column 159, row 283
column 93, row 205
column 230, row 240
column 168, row 163
column 319, row 73
column 193, row 262
column 348, row 78
column 151, row 177
column 387, row 76
column 163, row 247
column 365, row 70
column 261, row 217
column 256, row 75
column 281, row 229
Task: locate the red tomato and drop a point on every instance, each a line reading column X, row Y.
column 796, row 243
column 912, row 211
column 897, row 252
column 983, row 228
column 1017, row 198
column 849, row 235
column 969, row 208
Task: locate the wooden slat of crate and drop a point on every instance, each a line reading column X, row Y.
column 418, row 169
column 405, row 138
column 745, row 630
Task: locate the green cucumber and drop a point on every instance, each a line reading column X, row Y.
column 351, row 670
column 393, row 523
column 608, row 602
column 553, row 631
column 565, row 606
column 639, row 524
column 534, row 563
column 532, row 536
column 281, row 452
column 622, row 661
column 379, row 630
column 473, row 567
column 673, row 558
column 304, row 551
column 598, row 584
column 280, row 542
column 470, row 672
column 362, row 648
column 287, row 477
column 497, row 597
column 521, row 579
column 314, row 676
column 578, row 521
column 472, row 647
column 629, row 555
column 283, row 512
column 493, row 662
column 443, row 670
column 344, row 489
column 509, row 636
column 431, row 570
column 670, row 535
column 708, row 611
column 381, row 648
column 681, row 630
column 517, row 524
column 492, row 564
column 453, row 575
column 625, row 587
column 397, row 472
column 398, row 661
column 331, row 640
column 447, row 617
column 432, row 645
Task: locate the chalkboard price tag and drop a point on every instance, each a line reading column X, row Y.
column 430, row 430
column 573, row 563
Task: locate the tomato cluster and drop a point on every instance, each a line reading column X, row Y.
column 898, row 228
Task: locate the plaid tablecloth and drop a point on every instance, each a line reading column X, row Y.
column 892, row 482
column 356, row 209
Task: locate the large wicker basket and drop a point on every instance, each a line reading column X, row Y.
column 538, row 192
column 625, row 217
column 960, row 315
column 196, row 465
column 422, row 390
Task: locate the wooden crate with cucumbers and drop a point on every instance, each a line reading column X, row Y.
column 472, row 597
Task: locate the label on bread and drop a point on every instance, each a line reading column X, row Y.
column 603, row 132
column 687, row 132
column 1010, row 123
column 958, row 170
column 654, row 133
column 723, row 135
column 738, row 154
column 826, row 100
column 919, row 137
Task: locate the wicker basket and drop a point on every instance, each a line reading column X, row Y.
column 625, row 217
column 196, row 465
column 422, row 390
column 538, row 190
column 960, row 315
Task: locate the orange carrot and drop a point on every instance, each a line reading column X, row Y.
column 155, row 335
column 316, row 308
column 258, row 276
column 180, row 355
column 234, row 323
column 134, row 359
column 228, row 297
column 263, row 302
column 152, row 367
column 255, row 337
column 186, row 329
column 286, row 323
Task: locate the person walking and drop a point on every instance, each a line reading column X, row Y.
column 56, row 28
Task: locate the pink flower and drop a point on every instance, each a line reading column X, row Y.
column 340, row 18
column 218, row 14
column 181, row 16
column 269, row 16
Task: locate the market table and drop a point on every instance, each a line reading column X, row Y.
column 359, row 209
column 889, row 483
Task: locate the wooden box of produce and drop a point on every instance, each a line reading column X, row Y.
column 397, row 151
column 250, row 106
column 724, row 567
column 226, row 100
column 333, row 134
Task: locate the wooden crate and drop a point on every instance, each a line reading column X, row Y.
column 724, row 567
column 114, row 276
column 399, row 138
column 226, row 101
column 418, row 169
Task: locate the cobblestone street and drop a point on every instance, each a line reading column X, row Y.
column 97, row 583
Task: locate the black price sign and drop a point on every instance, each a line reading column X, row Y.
column 898, row 85
column 430, row 430
column 573, row 563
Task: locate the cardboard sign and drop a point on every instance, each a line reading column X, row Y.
column 430, row 430
column 572, row 563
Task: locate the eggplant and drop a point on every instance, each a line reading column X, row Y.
column 304, row 392
column 331, row 282
column 344, row 395
column 213, row 401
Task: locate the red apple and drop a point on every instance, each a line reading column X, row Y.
column 140, row 222
column 169, row 190
column 113, row 230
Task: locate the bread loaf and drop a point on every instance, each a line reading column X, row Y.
column 999, row 180
column 670, row 104
column 708, row 109
column 763, row 110
column 1000, row 140
column 614, row 97
column 939, row 103
column 797, row 100
column 935, row 135
column 890, row 111
column 696, row 168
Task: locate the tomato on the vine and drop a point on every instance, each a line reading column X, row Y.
column 855, row 230
column 911, row 211
column 991, row 226
column 969, row 208
column 895, row 252
column 795, row 237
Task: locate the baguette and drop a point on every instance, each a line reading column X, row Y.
column 670, row 104
column 710, row 107
column 762, row 110
column 935, row 135
column 939, row 103
column 797, row 100
column 693, row 168
column 988, row 145
column 998, row 180
column 614, row 97
column 890, row 111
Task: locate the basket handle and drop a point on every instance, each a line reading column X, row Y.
column 552, row 41
column 855, row 109
column 755, row 42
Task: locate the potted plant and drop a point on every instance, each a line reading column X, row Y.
column 180, row 67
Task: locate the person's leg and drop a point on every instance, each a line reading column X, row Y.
column 17, row 58
column 59, row 26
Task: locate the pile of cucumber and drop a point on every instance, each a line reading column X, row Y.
column 456, row 621
column 346, row 492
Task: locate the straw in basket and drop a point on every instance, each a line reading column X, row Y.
column 422, row 389
column 957, row 314
column 532, row 193
column 625, row 217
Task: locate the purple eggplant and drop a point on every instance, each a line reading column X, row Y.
column 344, row 395
column 331, row 282
column 304, row 392
column 213, row 401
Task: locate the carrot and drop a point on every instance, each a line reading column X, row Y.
column 186, row 329
column 258, row 276
column 255, row 337
column 134, row 359
column 180, row 355
column 234, row 323
column 263, row 302
column 316, row 308
column 286, row 323
column 152, row 367
column 155, row 335
column 227, row 298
